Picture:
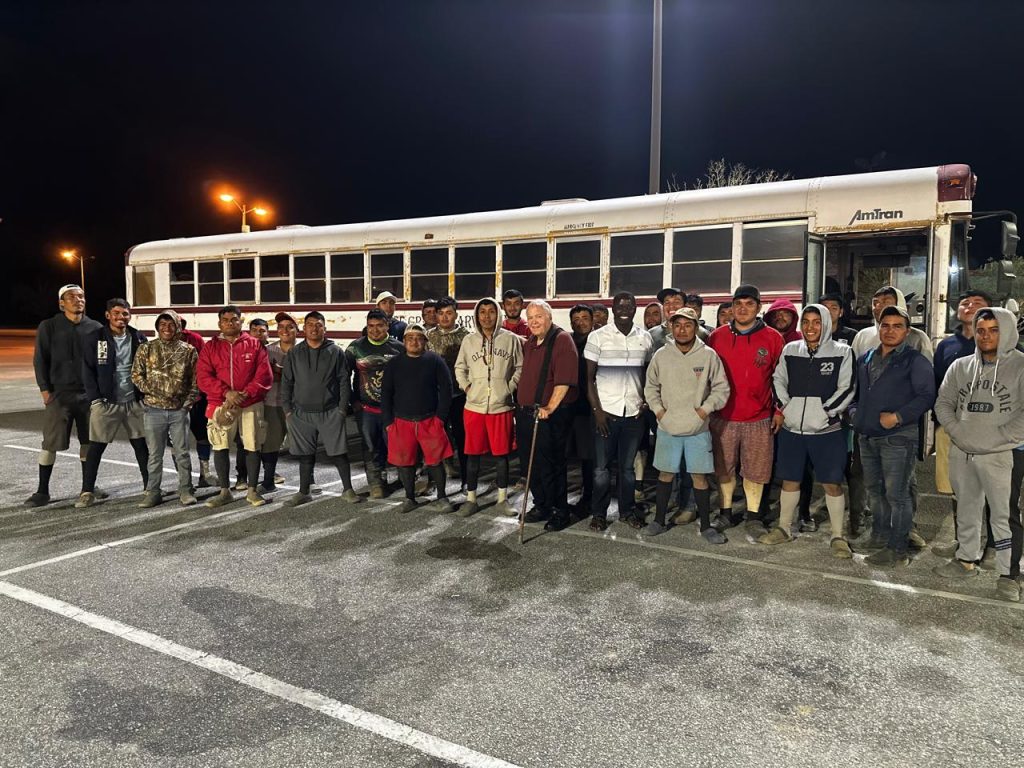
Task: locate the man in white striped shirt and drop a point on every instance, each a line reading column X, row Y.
column 617, row 356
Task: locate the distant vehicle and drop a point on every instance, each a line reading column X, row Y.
column 794, row 239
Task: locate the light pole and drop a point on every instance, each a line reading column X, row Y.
column 70, row 254
column 259, row 210
column 654, row 184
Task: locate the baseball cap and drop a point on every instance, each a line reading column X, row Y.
column 686, row 313
column 384, row 295
column 415, row 328
column 895, row 310
column 284, row 316
column 665, row 292
column 747, row 292
column 66, row 288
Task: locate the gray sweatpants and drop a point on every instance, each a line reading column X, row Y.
column 977, row 478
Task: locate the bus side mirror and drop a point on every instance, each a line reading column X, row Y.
column 1005, row 277
column 1010, row 239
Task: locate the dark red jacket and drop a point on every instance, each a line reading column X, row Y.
column 749, row 361
column 242, row 366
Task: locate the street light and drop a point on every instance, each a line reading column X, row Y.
column 259, row 210
column 70, row 255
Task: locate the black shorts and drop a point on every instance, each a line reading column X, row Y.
column 62, row 412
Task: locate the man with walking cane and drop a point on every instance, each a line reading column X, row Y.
column 548, row 384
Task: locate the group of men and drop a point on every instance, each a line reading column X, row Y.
column 782, row 396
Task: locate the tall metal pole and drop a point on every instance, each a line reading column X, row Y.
column 654, row 185
column 81, row 265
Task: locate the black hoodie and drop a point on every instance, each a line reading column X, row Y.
column 58, row 357
column 315, row 379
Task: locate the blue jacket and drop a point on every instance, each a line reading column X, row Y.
column 99, row 362
column 906, row 387
column 949, row 350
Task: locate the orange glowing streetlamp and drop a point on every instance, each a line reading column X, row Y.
column 70, row 254
column 259, row 210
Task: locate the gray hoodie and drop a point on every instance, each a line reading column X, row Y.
column 981, row 404
column 488, row 370
column 814, row 387
column 680, row 383
column 867, row 338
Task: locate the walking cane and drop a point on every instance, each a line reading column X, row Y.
column 529, row 474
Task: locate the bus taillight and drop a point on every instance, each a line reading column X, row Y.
column 956, row 182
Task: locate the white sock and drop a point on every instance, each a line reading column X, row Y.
column 502, row 494
column 726, row 489
column 788, row 502
column 836, row 506
column 471, row 496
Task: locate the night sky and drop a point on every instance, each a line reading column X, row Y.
column 121, row 118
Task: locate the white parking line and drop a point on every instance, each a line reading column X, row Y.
column 317, row 702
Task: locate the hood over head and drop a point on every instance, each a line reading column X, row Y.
column 1008, row 334
column 476, row 313
column 826, row 321
column 779, row 305
column 169, row 314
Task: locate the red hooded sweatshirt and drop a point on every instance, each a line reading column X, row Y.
column 749, row 360
column 792, row 333
column 242, row 366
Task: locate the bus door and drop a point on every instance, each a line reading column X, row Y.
column 857, row 265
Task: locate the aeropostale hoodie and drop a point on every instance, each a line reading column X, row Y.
column 981, row 404
column 489, row 369
column 682, row 382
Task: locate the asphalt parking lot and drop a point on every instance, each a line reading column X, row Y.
column 350, row 635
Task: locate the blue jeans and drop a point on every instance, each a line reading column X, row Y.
column 159, row 424
column 888, row 466
column 375, row 440
column 622, row 443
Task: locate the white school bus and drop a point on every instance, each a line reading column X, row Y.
column 794, row 239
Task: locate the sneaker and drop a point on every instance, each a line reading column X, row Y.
column 297, row 499
column 886, row 558
column 713, row 536
column 685, row 517
column 468, row 508
column 204, row 482
column 947, row 551
column 557, row 523
column 265, row 487
column 1008, row 589
column 376, row 492
column 408, row 505
column 538, row 515
column 954, row 569
column 278, row 480
column 774, row 536
column 241, row 485
column 100, row 494
column 254, row 498
column 810, row 525
column 351, row 496
column 187, row 498
column 635, row 521
column 505, row 509
column 722, row 520
column 598, row 524
column 86, row 499
column 222, row 498
column 441, row 506
column 422, row 486
column 315, row 489
column 988, row 560
column 916, row 541
column 841, row 549
column 37, row 500
column 151, row 499
column 654, row 528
